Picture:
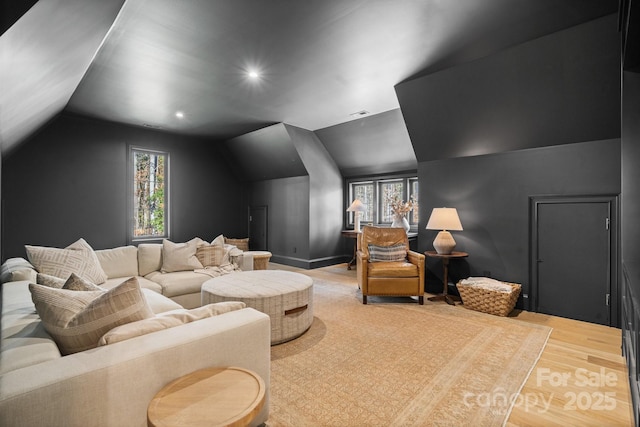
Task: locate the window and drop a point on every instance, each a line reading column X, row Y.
column 378, row 195
column 150, row 171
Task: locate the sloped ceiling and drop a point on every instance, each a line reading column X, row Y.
column 320, row 60
column 43, row 58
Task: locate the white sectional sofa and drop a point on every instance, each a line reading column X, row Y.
column 112, row 385
column 145, row 262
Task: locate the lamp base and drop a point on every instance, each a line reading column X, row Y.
column 356, row 225
column 444, row 243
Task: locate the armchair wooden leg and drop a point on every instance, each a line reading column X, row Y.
column 421, row 299
column 364, row 299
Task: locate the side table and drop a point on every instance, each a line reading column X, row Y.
column 352, row 234
column 449, row 299
column 209, row 397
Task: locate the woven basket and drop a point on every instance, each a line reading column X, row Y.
column 242, row 244
column 261, row 262
column 488, row 300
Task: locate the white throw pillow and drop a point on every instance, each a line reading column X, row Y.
column 77, row 258
column 180, row 256
column 218, row 241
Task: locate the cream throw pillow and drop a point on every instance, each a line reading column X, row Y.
column 180, row 256
column 76, row 258
column 167, row 320
column 77, row 319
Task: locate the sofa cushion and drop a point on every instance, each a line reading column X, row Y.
column 14, row 269
column 119, row 262
column 149, row 258
column 159, row 303
column 396, row 252
column 179, row 282
column 167, row 320
column 78, row 319
column 144, row 283
column 76, row 258
column 25, row 342
column 392, row 269
column 180, row 256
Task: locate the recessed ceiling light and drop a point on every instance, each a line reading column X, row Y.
column 179, row 114
column 254, row 74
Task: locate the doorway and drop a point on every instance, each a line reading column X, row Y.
column 258, row 228
column 574, row 257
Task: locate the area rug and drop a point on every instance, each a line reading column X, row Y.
column 396, row 363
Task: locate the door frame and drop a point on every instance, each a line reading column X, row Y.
column 614, row 249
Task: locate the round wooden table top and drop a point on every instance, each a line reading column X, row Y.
column 209, row 397
column 453, row 254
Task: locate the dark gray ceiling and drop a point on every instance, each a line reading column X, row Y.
column 320, row 60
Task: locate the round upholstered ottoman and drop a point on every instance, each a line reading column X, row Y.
column 287, row 298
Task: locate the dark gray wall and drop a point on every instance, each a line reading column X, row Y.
column 631, row 179
column 305, row 212
column 491, row 194
column 558, row 89
column 287, row 201
column 325, row 198
column 540, row 118
column 70, row 181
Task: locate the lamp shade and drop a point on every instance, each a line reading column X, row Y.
column 444, row 219
column 357, row 206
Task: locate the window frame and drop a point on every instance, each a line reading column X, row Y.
column 131, row 195
column 407, row 179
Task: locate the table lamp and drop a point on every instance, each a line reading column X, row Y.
column 356, row 207
column 444, row 219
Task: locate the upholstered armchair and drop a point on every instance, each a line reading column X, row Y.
column 387, row 266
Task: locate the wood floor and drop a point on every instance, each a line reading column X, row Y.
column 579, row 380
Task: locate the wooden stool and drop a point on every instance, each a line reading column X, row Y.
column 209, row 397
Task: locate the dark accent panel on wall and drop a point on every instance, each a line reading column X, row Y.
column 491, row 194
column 558, row 89
column 371, row 145
column 264, row 154
column 70, row 181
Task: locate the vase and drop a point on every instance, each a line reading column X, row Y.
column 400, row 221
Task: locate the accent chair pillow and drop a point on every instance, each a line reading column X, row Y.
column 180, row 256
column 168, row 320
column 76, row 320
column 76, row 258
column 391, row 253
